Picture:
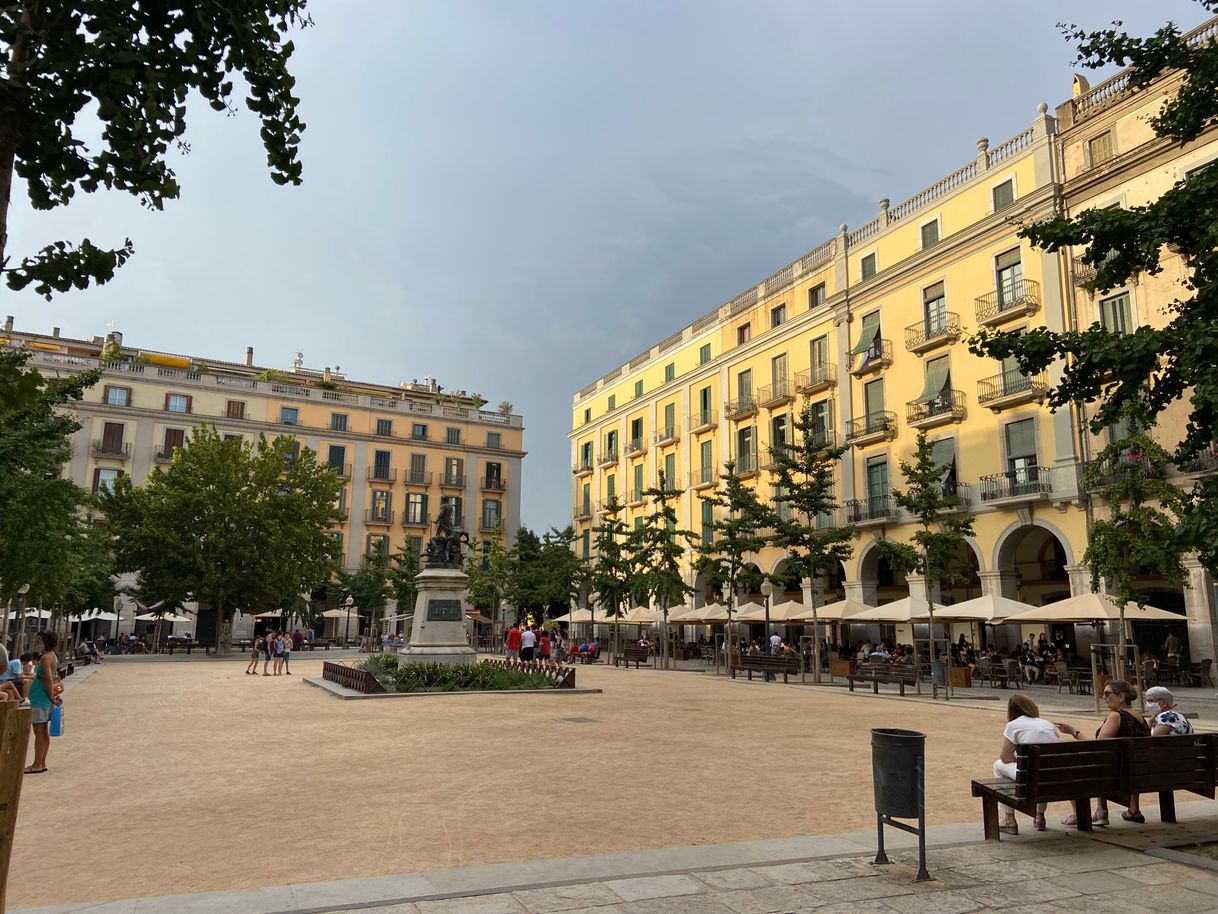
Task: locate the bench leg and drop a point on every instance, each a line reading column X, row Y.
column 875, row 687
column 901, row 686
column 850, row 684
column 1167, row 806
column 1082, row 814
column 989, row 816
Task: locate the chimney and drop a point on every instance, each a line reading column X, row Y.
column 55, row 332
column 249, row 356
column 8, row 324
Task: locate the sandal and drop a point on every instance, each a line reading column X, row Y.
column 1071, row 821
column 1039, row 823
column 1133, row 817
column 33, row 770
column 1101, row 821
column 1009, row 828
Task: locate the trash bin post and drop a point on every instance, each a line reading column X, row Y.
column 898, row 772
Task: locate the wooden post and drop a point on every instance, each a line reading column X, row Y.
column 14, row 737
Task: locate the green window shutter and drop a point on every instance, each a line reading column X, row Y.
column 670, row 417
column 873, row 397
column 1021, row 439
column 943, row 453
column 871, row 329
column 610, row 486
column 638, row 477
column 707, row 455
column 670, row 470
column 938, row 371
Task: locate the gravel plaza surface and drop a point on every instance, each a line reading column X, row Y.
column 188, row 777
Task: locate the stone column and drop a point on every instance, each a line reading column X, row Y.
column 1080, row 579
column 999, row 583
column 862, row 591
column 1199, row 607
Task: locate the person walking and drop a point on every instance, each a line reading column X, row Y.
column 512, row 642
column 528, row 641
column 44, row 696
column 543, row 646
column 255, row 655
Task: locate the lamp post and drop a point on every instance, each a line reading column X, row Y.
column 349, row 602
column 727, row 629
column 767, row 590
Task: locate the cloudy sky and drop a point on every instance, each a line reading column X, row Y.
column 515, row 197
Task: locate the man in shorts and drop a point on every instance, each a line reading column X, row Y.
column 528, row 640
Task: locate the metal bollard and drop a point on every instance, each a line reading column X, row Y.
column 898, row 773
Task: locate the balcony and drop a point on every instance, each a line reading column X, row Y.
column 878, row 426
column 780, row 393
column 583, row 468
column 375, row 518
column 382, row 474
column 423, row 478
column 771, row 454
column 947, row 407
column 1020, row 484
column 494, row 484
column 164, row 455
column 746, row 465
column 607, row 458
column 1011, row 388
column 489, row 524
column 878, row 509
column 735, row 410
column 583, row 511
column 703, row 420
column 341, row 470
column 414, row 520
column 452, row 480
column 962, row 492
column 1083, row 272
column 112, row 450
column 1205, row 462
column 816, row 378
column 878, row 356
column 634, row 498
column 1015, row 299
column 670, row 434
column 418, row 436
column 932, row 332
column 635, row 447
column 701, row 478
column 1130, row 465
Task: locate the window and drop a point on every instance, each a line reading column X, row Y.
column 418, row 431
column 585, row 454
column 289, row 415
column 670, row 420
column 586, row 499
column 670, row 371
column 638, row 523
column 103, row 478
column 585, row 544
column 704, row 354
column 745, row 453
column 415, row 543
column 707, row 455
column 637, row 494
column 337, row 536
column 232, row 437
column 118, row 396
column 380, row 465
column 704, row 403
column 669, row 482
column 453, row 435
column 494, row 440
column 816, row 296
column 638, row 388
column 294, row 452
column 821, row 414
column 454, row 471
column 873, row 401
column 587, row 414
column 778, row 431
column 112, row 437
column 1115, row 315
column 491, row 508
column 936, row 395
column 610, row 487
column 416, row 508
column 744, row 386
column 418, row 469
column 1004, row 194
column 235, row 409
column 877, row 483
column 1009, row 274
column 636, row 431
column 177, row 403
column 943, row 453
column 376, row 544
column 744, row 334
column 384, row 428
column 336, row 457
column 338, row 422
column 1021, row 447
column 819, row 357
column 782, row 507
column 1099, row 149
column 174, row 439
column 869, row 348
column 934, row 310
column 778, row 373
column 867, row 266
column 778, row 316
column 612, row 405
column 930, row 233
column 708, row 522
column 382, row 503
column 611, row 445
column 340, row 503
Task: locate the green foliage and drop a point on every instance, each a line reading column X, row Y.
column 1138, row 375
column 734, row 535
column 441, row 677
column 69, row 69
column 232, row 525
column 804, row 472
column 545, row 572
column 404, row 567
column 611, row 567
column 368, row 586
column 657, row 548
column 487, row 567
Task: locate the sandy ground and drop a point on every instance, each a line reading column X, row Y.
column 187, row 777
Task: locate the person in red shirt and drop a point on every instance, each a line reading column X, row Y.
column 543, row 646
column 512, row 642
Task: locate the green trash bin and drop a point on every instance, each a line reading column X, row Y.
column 898, row 766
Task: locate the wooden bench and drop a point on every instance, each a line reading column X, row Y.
column 787, row 664
column 315, row 644
column 888, row 674
column 179, row 645
column 632, row 653
column 1076, row 771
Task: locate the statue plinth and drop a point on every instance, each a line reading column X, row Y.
column 438, row 632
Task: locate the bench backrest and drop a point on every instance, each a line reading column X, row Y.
column 633, row 650
column 781, row 661
column 1171, row 762
column 1067, row 770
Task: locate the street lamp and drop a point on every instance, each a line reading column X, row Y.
column 350, row 601
column 767, row 591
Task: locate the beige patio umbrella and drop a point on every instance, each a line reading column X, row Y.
column 581, row 615
column 170, row 617
column 643, row 615
column 1093, row 607
column 789, row 611
column 908, row 609
column 840, row 611
column 986, row 608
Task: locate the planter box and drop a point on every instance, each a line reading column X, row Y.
column 961, row 677
column 842, row 667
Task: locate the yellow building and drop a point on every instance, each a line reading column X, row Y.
column 403, row 450
column 871, row 327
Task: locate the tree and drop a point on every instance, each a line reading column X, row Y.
column 657, row 548
column 131, row 67
column 487, row 565
column 232, row 524
column 610, row 573
column 943, row 527
column 404, row 567
column 564, row 572
column 525, row 587
column 804, row 473
column 369, row 587
column 1138, row 375
column 1139, row 533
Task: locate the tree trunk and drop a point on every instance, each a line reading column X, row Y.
column 224, row 633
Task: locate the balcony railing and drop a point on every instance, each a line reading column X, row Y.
column 933, row 331
column 779, row 393
column 947, row 407
column 771, row 455
column 634, row 497
column 667, row 435
column 1012, row 299
column 962, row 492
column 746, row 464
column 583, row 511
column 1021, row 483
column 877, row 508
column 1205, row 462
column 1010, row 389
column 739, row 409
column 380, row 518
column 703, row 419
column 635, row 446
column 342, row 470
column 1129, row 465
column 816, row 378
column 1083, row 271
column 423, row 477
column 702, row 477
column 116, row 451
column 382, row 474
column 452, row 480
column 877, row 356
column 487, row 524
column 870, row 428
column 582, row 468
column 494, row 484
column 164, row 454
column 607, row 457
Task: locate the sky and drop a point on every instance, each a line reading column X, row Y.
column 517, row 197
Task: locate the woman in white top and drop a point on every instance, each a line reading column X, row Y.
column 1167, row 721
column 1024, row 726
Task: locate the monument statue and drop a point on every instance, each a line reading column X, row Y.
column 444, row 549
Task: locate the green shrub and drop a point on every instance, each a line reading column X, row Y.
column 441, row 677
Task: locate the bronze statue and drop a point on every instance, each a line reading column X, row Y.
column 444, row 549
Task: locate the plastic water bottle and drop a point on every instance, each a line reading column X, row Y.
column 57, row 721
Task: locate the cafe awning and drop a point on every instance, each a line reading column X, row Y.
column 1094, row 607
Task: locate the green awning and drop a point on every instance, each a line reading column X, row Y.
column 937, row 373
column 943, row 453
column 871, row 329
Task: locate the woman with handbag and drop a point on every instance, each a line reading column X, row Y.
column 44, row 697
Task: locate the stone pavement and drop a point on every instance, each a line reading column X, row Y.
column 1116, row 870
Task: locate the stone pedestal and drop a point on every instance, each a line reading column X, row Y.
column 438, row 633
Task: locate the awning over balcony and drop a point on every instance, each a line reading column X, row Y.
column 943, row 453
column 937, row 375
column 871, row 329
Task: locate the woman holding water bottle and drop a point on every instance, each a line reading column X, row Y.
column 44, row 697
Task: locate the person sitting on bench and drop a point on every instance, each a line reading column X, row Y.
column 1024, row 726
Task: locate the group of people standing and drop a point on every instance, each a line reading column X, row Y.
column 274, row 650
column 531, row 642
